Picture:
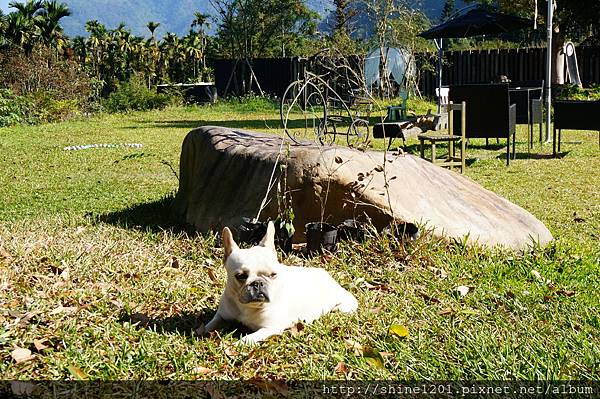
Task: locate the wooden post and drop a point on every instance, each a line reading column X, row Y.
column 463, row 133
column 450, row 132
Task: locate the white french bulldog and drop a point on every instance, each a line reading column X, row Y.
column 269, row 297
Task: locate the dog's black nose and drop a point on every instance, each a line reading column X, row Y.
column 258, row 284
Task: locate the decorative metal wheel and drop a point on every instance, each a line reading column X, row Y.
column 303, row 112
column 358, row 133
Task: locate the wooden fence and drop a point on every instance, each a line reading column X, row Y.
column 234, row 77
column 275, row 74
column 486, row 65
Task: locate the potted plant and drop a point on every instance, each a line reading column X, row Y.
column 351, row 229
column 320, row 236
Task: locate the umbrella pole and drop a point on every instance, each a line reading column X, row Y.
column 439, row 74
column 549, row 67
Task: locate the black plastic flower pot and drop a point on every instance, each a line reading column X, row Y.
column 283, row 240
column 320, row 236
column 251, row 232
column 351, row 229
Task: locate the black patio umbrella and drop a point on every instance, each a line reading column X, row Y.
column 476, row 22
column 479, row 21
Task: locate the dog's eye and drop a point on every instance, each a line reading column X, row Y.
column 241, row 276
column 273, row 275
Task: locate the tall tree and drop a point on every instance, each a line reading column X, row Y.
column 344, row 14
column 22, row 28
column 51, row 31
column 253, row 28
column 152, row 26
column 200, row 22
column 97, row 42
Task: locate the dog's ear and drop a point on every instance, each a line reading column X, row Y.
column 268, row 240
column 228, row 243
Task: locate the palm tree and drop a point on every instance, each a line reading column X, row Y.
column 171, row 56
column 30, row 8
column 200, row 20
column 22, row 31
column 153, row 52
column 192, row 45
column 96, row 43
column 52, row 33
column 80, row 49
column 22, row 24
column 152, row 26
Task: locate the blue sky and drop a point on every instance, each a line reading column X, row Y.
column 4, row 5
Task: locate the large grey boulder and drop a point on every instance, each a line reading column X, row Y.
column 225, row 173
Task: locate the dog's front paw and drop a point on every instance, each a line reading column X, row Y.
column 248, row 340
column 202, row 331
column 348, row 305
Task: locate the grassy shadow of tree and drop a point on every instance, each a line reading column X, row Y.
column 155, row 216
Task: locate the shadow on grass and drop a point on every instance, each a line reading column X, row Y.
column 185, row 324
column 526, row 155
column 155, row 216
column 233, row 124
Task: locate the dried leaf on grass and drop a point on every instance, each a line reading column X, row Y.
column 446, row 312
column 353, row 346
column 376, row 286
column 567, row 293
column 23, row 319
column 341, row 368
column 21, row 355
column 326, row 258
column 40, row 344
column 77, row 372
column 200, row 370
column 212, row 275
column 229, row 350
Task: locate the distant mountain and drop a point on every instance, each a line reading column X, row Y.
column 174, row 15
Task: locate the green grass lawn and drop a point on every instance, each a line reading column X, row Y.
column 96, row 283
